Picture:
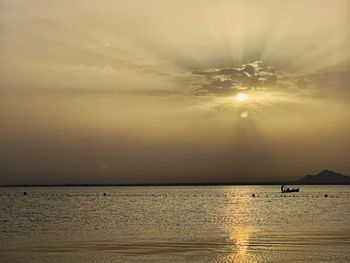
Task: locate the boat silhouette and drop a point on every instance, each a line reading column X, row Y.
column 290, row 190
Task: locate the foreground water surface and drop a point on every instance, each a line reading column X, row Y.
column 175, row 224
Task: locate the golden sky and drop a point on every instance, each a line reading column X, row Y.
column 173, row 91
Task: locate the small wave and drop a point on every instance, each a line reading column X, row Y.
column 263, row 243
column 141, row 248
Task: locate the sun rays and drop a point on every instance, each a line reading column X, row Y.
column 148, row 81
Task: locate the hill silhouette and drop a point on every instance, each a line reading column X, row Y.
column 325, row 177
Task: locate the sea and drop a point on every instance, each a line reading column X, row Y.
column 175, row 224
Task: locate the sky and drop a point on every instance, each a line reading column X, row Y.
column 173, row 91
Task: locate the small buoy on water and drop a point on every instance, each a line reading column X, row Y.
column 325, row 195
column 24, row 193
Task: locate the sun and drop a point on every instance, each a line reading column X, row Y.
column 241, row 96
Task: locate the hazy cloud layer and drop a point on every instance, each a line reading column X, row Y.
column 131, row 91
column 257, row 76
column 227, row 80
column 335, row 83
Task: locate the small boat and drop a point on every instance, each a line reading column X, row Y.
column 290, row 190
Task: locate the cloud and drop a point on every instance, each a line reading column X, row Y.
column 327, row 82
column 227, row 80
column 79, row 92
column 255, row 76
column 95, row 69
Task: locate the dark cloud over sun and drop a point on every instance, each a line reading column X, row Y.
column 228, row 80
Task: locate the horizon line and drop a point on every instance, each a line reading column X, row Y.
column 170, row 184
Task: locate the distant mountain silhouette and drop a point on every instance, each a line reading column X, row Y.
column 325, row 177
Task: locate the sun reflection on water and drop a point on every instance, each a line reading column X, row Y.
column 241, row 238
column 241, row 234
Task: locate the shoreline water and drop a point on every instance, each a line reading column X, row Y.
column 174, row 224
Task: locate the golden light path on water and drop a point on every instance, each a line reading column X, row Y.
column 240, row 235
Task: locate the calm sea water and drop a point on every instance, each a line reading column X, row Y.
column 175, row 224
